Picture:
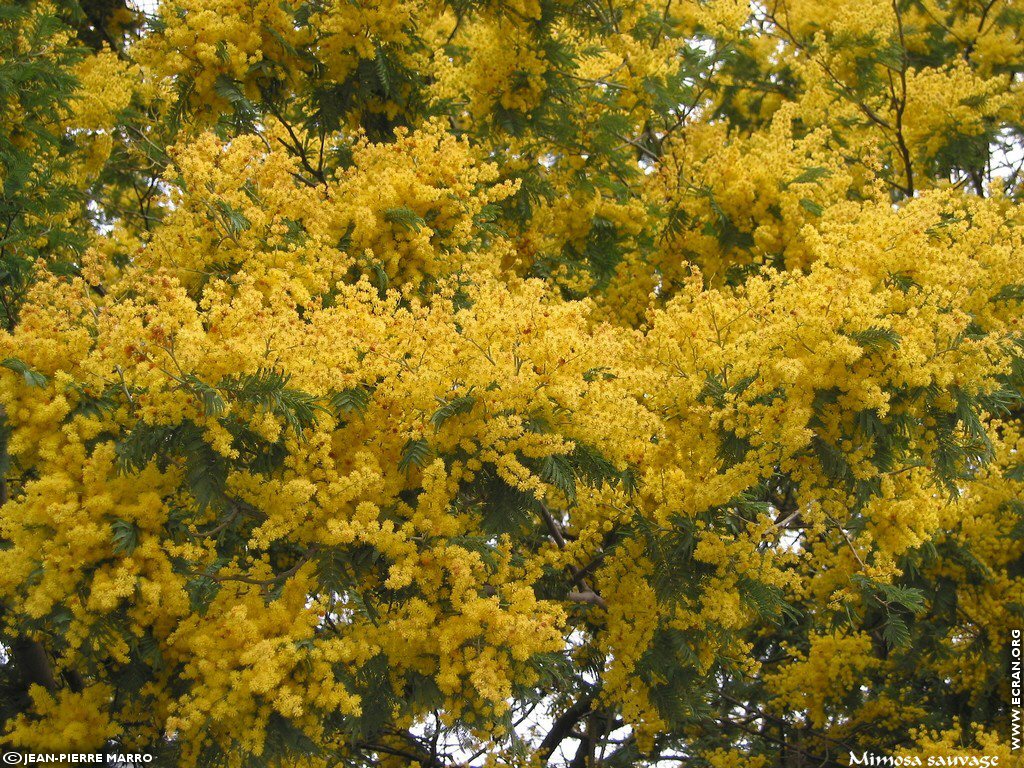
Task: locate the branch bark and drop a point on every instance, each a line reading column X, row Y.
column 563, row 726
column 586, row 593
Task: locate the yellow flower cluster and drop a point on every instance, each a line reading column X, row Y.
column 506, row 70
column 451, row 344
column 740, row 200
column 515, row 357
column 411, row 207
column 835, row 665
column 205, row 46
column 947, row 748
column 66, row 718
column 104, row 90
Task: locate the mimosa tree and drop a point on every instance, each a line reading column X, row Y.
column 544, row 382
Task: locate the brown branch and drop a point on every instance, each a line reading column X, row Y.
column 276, row 579
column 562, row 727
column 32, row 661
column 900, row 104
column 586, row 594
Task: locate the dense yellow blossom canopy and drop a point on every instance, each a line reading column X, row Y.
column 544, row 382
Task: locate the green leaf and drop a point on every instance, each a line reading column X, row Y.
column 601, row 372
column 590, row 466
column 811, row 207
column 630, row 479
column 832, row 459
column 351, row 400
column 383, row 69
column 147, row 648
column 414, row 452
column 875, row 339
column 811, row 175
column 896, row 632
column 285, row 742
column 126, row 537
column 946, row 220
column 450, row 408
column 1017, row 508
column 892, row 56
column 714, row 389
column 229, row 90
column 1016, row 472
column 1009, row 293
column 213, row 403
column 268, row 389
column 902, row 281
column 201, row 591
column 32, row 378
column 234, row 220
column 380, row 278
column 767, row 599
column 503, row 508
column 675, row 573
column 910, row 598
column 967, row 413
column 558, row 471
column 206, row 472
column 405, row 217
column 732, row 449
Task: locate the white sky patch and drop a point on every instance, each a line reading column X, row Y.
column 146, row 6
